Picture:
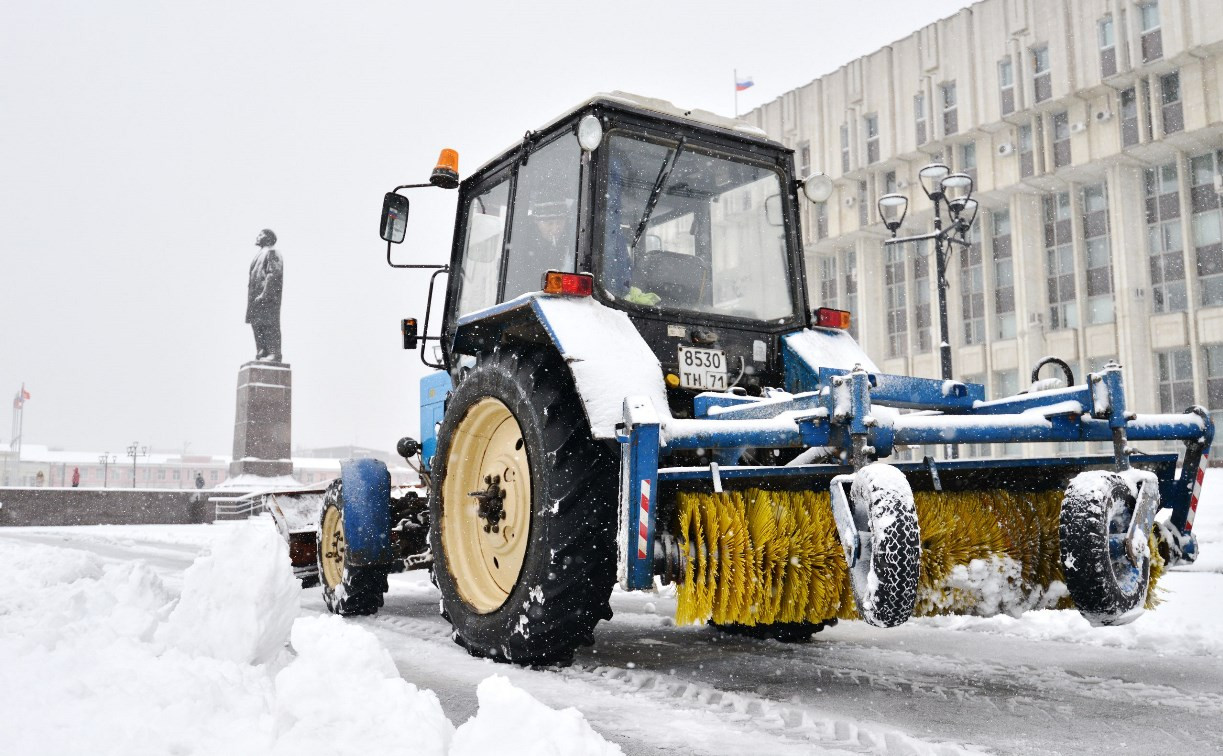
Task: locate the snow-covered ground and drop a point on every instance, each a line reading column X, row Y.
column 197, row 640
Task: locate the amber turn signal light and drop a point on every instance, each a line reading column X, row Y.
column 569, row 284
column 826, row 317
column 446, row 172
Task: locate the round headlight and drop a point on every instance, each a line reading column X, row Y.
column 817, row 187
column 590, row 133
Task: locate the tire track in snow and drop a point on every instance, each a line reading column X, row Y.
column 791, row 724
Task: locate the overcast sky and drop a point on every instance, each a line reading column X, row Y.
column 143, row 145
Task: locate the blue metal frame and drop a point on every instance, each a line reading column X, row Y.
column 639, row 482
column 367, row 511
column 434, row 388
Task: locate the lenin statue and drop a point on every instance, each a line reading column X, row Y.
column 263, row 297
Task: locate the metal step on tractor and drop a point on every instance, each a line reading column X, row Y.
column 634, row 386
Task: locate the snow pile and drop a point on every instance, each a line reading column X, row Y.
column 538, row 729
column 987, row 587
column 239, row 601
column 101, row 658
column 343, row 690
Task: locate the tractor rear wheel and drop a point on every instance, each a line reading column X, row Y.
column 1106, row 586
column 348, row 589
column 884, row 578
column 522, row 512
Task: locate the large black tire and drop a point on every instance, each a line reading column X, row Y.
column 1106, row 587
column 347, row 589
column 885, row 577
column 517, row 411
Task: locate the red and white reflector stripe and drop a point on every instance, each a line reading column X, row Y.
column 643, row 520
column 1197, row 491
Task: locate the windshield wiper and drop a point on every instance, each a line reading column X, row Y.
column 664, row 173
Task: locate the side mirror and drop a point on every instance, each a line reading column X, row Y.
column 394, row 217
column 772, row 210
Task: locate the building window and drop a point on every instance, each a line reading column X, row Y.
column 889, row 183
column 1027, row 152
column 1108, row 47
column 972, row 289
column 1099, row 255
column 161, row 473
column 828, row 282
column 1042, row 77
column 872, row 139
column 1212, row 355
column 804, row 160
column 1165, row 247
column 1152, row 42
column 1129, row 117
column 923, row 317
column 821, row 220
column 1059, row 262
column 863, row 205
column 1175, row 371
column 1207, row 225
column 1004, row 276
column 951, row 123
column 894, row 299
column 968, row 159
column 1170, row 102
column 919, row 117
column 851, row 289
column 1061, row 139
column 844, row 148
column 1006, row 86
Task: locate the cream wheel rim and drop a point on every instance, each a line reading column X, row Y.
column 333, row 547
column 484, row 553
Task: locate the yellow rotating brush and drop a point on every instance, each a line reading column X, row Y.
column 760, row 557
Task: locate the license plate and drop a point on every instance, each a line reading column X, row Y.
column 702, row 368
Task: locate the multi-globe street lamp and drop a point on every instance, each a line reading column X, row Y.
column 945, row 189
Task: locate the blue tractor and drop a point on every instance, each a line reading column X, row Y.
column 634, row 387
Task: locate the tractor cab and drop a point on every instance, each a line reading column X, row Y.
column 684, row 220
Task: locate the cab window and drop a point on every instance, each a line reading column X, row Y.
column 544, row 231
column 482, row 248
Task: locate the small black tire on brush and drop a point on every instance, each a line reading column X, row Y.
column 348, row 589
column 782, row 632
column 886, row 517
column 1106, row 587
column 522, row 512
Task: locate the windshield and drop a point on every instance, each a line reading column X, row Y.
column 707, row 228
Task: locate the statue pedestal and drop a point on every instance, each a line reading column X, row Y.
column 262, row 427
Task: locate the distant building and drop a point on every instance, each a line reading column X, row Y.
column 1093, row 130
column 158, row 470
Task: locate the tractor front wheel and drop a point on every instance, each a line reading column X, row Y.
column 522, row 512
column 348, row 589
column 1106, row 586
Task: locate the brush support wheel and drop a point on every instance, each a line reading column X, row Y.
column 884, row 577
column 1107, row 587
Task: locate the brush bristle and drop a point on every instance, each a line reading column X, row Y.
column 760, row 557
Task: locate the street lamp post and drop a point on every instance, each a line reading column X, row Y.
column 134, row 451
column 954, row 191
column 106, row 459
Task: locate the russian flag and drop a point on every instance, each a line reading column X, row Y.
column 744, row 84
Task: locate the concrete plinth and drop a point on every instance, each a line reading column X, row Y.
column 262, row 427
